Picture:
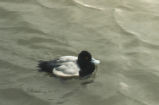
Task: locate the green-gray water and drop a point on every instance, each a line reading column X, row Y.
column 122, row 34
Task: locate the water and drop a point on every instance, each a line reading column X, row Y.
column 122, row 34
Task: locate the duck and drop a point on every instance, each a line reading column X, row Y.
column 70, row 66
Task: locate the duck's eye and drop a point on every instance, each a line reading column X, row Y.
column 86, row 58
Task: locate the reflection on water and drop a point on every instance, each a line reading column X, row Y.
column 123, row 35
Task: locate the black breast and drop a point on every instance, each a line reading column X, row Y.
column 86, row 69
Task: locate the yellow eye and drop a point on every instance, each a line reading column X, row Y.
column 86, row 58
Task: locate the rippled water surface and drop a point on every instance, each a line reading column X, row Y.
column 123, row 34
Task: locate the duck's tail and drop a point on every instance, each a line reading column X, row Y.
column 45, row 66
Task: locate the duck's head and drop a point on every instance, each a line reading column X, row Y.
column 86, row 63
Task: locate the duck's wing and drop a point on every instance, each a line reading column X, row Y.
column 67, row 69
column 48, row 66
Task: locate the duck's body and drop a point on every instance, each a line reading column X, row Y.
column 69, row 66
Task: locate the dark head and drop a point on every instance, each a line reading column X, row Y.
column 86, row 63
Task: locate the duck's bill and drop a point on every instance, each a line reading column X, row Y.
column 95, row 61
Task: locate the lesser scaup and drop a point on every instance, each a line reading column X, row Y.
column 70, row 66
